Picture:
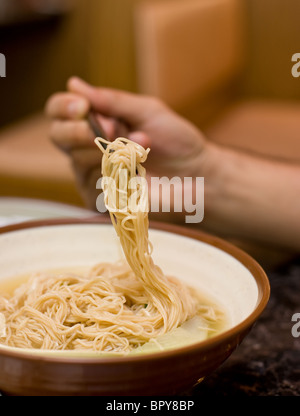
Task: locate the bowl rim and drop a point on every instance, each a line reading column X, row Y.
column 226, row 336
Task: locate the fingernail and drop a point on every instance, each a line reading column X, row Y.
column 77, row 108
column 75, row 83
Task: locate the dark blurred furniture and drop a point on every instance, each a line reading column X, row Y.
column 220, row 63
column 37, row 38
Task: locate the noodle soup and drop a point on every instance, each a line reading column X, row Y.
column 40, row 323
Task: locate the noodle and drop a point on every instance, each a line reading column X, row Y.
column 115, row 307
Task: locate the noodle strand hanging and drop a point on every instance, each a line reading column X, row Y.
column 115, row 307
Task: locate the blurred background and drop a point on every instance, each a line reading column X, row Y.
column 223, row 64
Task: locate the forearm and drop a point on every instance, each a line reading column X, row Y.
column 251, row 197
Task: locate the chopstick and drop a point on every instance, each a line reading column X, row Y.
column 96, row 127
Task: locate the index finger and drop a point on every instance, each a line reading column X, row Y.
column 132, row 108
column 65, row 105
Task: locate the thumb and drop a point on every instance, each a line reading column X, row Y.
column 130, row 107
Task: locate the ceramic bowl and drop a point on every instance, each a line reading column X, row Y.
column 210, row 264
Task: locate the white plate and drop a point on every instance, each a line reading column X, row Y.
column 16, row 210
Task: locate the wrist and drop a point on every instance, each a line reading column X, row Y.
column 216, row 165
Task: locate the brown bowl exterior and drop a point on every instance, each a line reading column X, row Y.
column 165, row 373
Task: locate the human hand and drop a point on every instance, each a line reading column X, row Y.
column 177, row 146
